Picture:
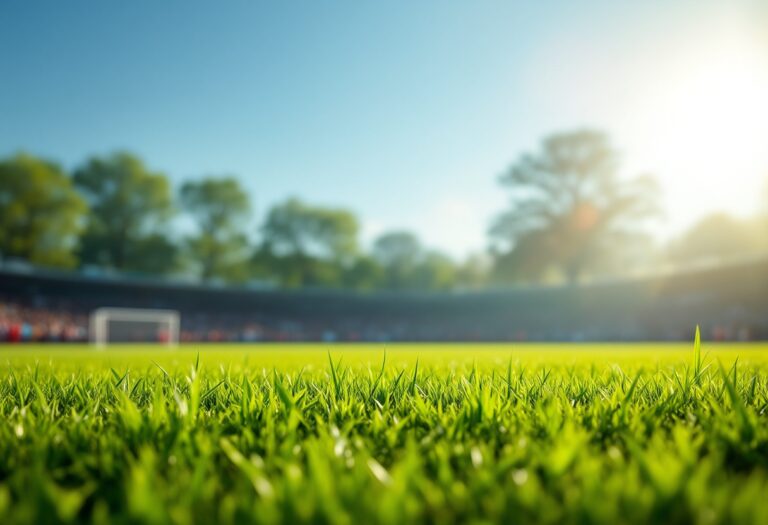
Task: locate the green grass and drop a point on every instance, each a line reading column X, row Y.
column 385, row 434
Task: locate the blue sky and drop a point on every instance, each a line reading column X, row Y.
column 405, row 112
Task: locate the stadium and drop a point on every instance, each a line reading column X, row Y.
column 730, row 304
column 340, row 263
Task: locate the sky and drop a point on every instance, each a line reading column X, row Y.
column 405, row 112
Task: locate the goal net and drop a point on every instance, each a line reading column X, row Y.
column 133, row 325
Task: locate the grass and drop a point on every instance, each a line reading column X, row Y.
column 374, row 434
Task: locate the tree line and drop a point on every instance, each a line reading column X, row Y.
column 114, row 212
column 570, row 215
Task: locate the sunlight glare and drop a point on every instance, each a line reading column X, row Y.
column 713, row 126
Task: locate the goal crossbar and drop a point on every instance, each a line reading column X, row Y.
column 101, row 317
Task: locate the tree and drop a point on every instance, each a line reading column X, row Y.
column 718, row 236
column 219, row 206
column 474, row 271
column 296, row 227
column 365, row 273
column 568, row 205
column 407, row 265
column 528, row 261
column 41, row 214
column 128, row 203
column 399, row 254
column 764, row 204
column 435, row 271
column 308, row 245
column 397, row 248
column 154, row 254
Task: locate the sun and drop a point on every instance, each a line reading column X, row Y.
column 709, row 116
column 717, row 114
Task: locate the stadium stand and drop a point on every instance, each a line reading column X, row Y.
column 730, row 303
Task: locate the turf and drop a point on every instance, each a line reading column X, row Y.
column 375, row 434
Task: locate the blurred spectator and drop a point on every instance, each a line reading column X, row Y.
column 729, row 303
column 31, row 324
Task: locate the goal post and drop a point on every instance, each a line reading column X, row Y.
column 157, row 326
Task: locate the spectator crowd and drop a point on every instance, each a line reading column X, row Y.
column 730, row 304
column 31, row 324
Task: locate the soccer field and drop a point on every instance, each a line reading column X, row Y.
column 338, row 433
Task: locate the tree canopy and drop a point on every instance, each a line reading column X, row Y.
column 308, row 245
column 407, row 265
column 41, row 214
column 398, row 252
column 719, row 236
column 568, row 206
column 128, row 203
column 219, row 207
column 570, row 214
column 294, row 227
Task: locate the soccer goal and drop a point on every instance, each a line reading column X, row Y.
column 133, row 325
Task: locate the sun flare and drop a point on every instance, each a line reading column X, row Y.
column 711, row 125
